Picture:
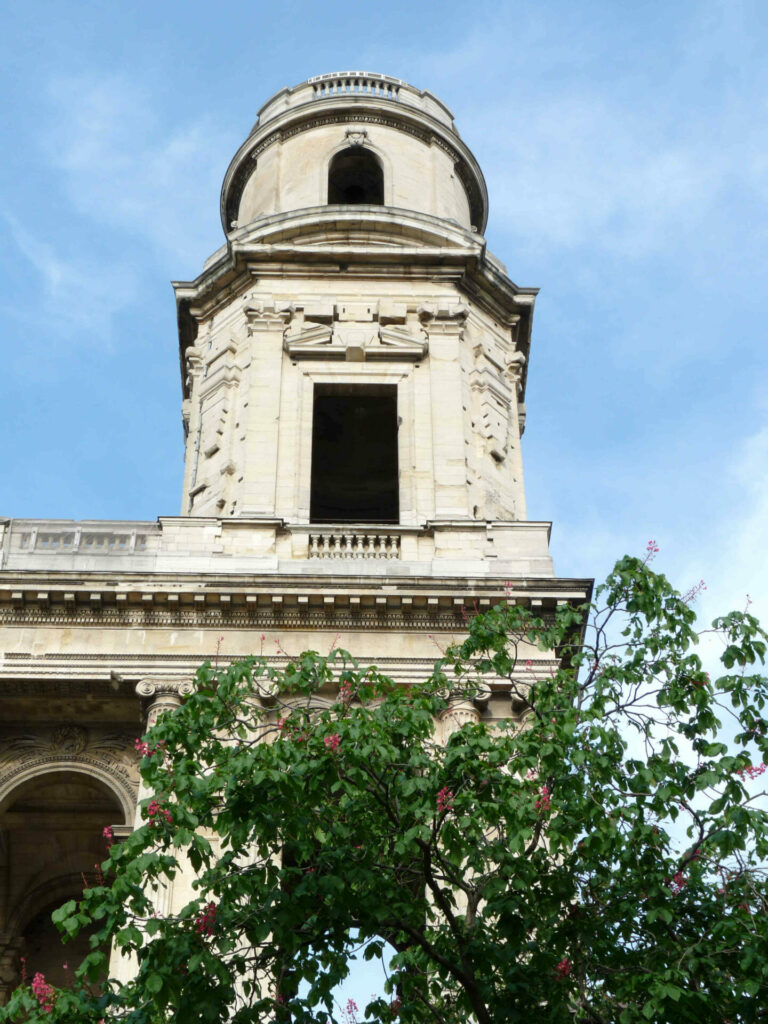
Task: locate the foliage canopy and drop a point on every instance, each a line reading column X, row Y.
column 600, row 862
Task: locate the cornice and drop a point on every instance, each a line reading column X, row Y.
column 319, row 241
column 297, row 603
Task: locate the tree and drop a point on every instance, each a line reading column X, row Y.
column 597, row 858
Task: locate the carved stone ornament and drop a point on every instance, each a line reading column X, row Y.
column 357, row 136
column 264, row 314
column 94, row 751
column 158, row 688
column 69, row 738
column 514, row 370
column 383, row 332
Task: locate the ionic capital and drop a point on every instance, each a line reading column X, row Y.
column 163, row 695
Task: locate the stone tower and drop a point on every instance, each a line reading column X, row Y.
column 354, row 366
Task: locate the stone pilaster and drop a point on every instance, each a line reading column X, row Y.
column 266, row 328
column 10, row 966
column 193, row 358
column 445, row 329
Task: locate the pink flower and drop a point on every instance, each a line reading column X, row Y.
column 205, row 922
column 564, row 968
column 349, row 1014
column 332, row 742
column 109, row 836
column 542, row 803
column 444, row 800
column 141, row 747
column 678, row 883
column 693, row 592
column 751, row 770
column 43, row 992
column 156, row 813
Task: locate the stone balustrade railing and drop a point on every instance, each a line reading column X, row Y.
column 349, row 82
column 102, row 542
column 353, row 544
column 354, row 85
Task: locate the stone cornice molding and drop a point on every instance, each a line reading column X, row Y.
column 319, row 238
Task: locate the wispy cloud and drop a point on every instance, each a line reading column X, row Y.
column 583, row 149
column 736, row 559
column 127, row 169
column 74, row 295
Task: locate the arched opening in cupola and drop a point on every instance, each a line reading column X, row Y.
column 355, row 176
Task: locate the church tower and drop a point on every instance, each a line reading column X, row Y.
column 353, row 366
column 353, row 358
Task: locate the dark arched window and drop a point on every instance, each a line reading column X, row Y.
column 355, row 176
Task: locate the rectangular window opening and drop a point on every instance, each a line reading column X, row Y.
column 354, row 454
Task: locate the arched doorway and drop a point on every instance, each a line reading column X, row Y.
column 51, row 843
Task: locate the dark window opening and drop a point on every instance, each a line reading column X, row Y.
column 354, row 455
column 355, row 176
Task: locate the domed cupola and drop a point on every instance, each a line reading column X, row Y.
column 359, row 139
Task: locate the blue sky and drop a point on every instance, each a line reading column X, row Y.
column 626, row 156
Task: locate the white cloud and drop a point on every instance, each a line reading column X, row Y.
column 75, row 296
column 735, row 561
column 582, row 149
column 127, row 169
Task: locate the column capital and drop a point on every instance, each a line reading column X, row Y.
column 163, row 695
column 159, row 688
column 264, row 314
column 444, row 319
column 464, row 706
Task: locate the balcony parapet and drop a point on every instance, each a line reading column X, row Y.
column 194, row 545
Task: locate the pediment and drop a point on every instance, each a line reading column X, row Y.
column 356, row 342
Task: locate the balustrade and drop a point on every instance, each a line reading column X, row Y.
column 354, row 544
column 355, row 83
